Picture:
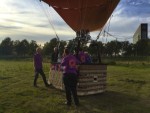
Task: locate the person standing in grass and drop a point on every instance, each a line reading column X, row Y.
column 38, row 67
column 54, row 65
column 54, row 57
column 69, row 64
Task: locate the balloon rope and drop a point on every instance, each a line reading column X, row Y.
column 109, row 7
column 108, row 10
column 49, row 20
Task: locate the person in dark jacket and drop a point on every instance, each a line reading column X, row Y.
column 54, row 57
column 69, row 64
column 38, row 67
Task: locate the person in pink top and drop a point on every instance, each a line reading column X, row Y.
column 69, row 64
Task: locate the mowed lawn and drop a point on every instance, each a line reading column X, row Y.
column 128, row 91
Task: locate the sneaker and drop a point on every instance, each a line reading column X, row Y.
column 47, row 85
column 68, row 104
column 35, row 86
column 77, row 104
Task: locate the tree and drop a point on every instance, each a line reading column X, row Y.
column 7, row 46
column 17, row 45
column 113, row 48
column 32, row 45
column 127, row 48
column 46, row 48
column 96, row 49
column 142, row 47
column 0, row 50
column 71, row 45
column 22, row 48
column 49, row 46
column 93, row 48
column 61, row 47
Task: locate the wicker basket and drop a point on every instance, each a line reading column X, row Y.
column 92, row 79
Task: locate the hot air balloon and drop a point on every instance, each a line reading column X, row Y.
column 84, row 16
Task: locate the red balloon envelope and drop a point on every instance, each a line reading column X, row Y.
column 84, row 14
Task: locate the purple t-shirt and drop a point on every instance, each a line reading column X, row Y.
column 69, row 64
column 37, row 61
column 82, row 57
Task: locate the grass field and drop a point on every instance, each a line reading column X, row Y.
column 128, row 91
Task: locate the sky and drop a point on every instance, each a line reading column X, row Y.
column 35, row 20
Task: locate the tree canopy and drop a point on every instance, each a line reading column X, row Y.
column 111, row 49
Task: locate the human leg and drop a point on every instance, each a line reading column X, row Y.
column 74, row 89
column 67, row 89
column 35, row 78
column 43, row 77
column 75, row 97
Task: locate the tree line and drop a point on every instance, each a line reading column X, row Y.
column 110, row 49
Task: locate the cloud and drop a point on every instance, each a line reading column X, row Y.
column 133, row 8
column 128, row 15
column 35, row 20
column 38, row 37
column 9, row 27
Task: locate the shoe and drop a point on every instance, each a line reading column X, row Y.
column 49, row 85
column 77, row 104
column 35, row 86
column 68, row 104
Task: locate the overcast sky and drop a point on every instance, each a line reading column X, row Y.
column 29, row 19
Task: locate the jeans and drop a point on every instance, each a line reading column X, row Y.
column 37, row 72
column 70, row 82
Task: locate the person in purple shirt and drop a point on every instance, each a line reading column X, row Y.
column 84, row 57
column 69, row 64
column 88, row 58
column 38, row 67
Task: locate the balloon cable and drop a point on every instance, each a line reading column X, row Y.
column 49, row 20
column 108, row 11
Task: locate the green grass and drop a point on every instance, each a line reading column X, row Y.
column 128, row 91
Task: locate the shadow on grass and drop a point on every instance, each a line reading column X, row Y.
column 113, row 102
column 3, row 78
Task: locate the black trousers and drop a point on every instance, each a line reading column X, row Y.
column 70, row 82
column 37, row 72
